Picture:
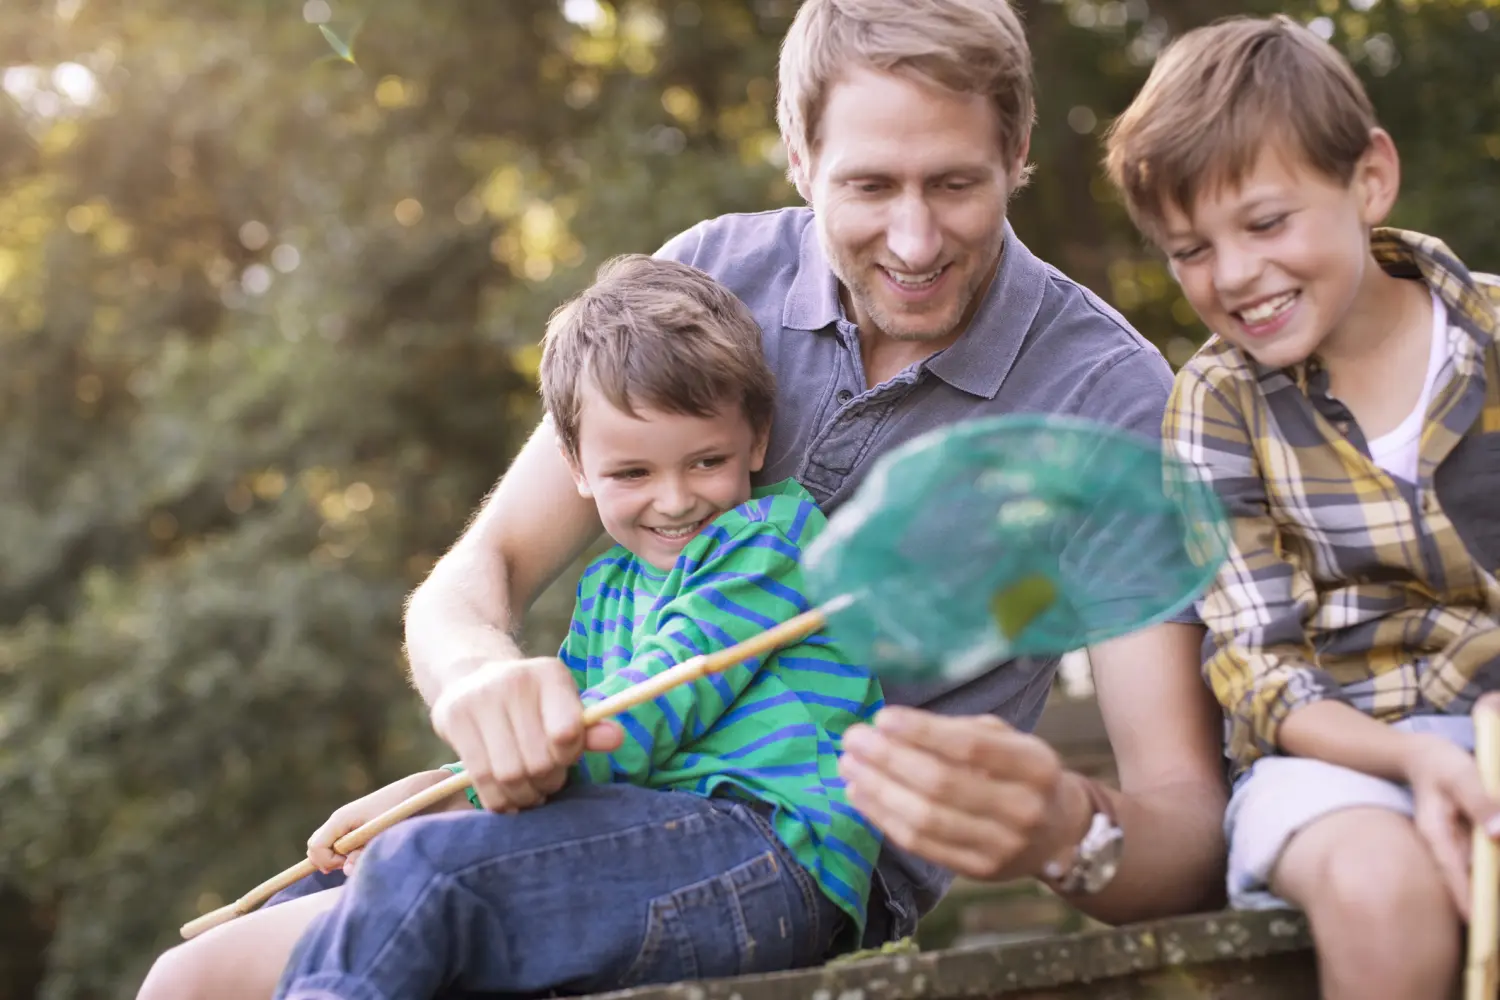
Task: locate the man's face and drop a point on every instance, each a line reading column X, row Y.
column 1275, row 264
column 909, row 186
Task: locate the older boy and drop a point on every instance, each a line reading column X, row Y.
column 712, row 836
column 1347, row 408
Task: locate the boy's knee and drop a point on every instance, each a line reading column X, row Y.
column 177, row 974
column 1365, row 873
column 1378, row 907
column 414, row 851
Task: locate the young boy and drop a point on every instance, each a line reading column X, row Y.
column 714, row 837
column 1347, row 409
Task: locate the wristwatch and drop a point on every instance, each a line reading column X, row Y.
column 1097, row 856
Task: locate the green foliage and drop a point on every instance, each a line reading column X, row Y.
column 271, row 281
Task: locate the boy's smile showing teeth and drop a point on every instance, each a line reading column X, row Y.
column 678, row 534
column 1267, row 309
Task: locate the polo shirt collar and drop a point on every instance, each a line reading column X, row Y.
column 812, row 303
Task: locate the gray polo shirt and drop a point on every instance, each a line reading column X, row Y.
column 1040, row 342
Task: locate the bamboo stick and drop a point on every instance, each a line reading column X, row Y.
column 685, row 672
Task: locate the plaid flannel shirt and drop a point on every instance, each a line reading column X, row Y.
column 1344, row 582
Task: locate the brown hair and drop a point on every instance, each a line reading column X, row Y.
column 654, row 333
column 1221, row 94
column 967, row 46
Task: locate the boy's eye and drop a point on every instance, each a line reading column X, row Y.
column 628, row 474
column 1187, row 254
column 712, row 462
column 1266, row 225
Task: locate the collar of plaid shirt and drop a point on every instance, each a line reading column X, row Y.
column 1344, row 582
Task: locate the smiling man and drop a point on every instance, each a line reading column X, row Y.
column 899, row 299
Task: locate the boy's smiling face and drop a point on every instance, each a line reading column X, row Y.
column 1276, row 263
column 659, row 478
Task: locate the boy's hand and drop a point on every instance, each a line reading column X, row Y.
column 1450, row 802
column 517, row 727
column 359, row 812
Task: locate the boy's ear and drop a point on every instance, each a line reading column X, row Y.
column 1377, row 178
column 758, row 450
column 579, row 482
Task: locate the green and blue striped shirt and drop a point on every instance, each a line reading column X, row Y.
column 767, row 729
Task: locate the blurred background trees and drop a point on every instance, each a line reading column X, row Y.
column 272, row 276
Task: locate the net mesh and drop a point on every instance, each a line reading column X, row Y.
column 1010, row 536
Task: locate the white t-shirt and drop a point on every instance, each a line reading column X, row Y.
column 1396, row 450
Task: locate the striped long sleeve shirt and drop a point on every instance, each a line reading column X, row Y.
column 769, row 729
column 1343, row 581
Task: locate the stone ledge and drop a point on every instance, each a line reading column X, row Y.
column 1224, row 956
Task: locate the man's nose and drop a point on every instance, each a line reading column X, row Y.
column 913, row 235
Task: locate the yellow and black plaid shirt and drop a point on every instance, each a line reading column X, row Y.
column 1344, row 582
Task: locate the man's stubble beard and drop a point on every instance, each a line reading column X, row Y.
column 867, row 301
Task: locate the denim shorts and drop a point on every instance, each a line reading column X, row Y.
column 603, row 888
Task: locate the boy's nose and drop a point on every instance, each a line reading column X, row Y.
column 1236, row 271
column 674, row 501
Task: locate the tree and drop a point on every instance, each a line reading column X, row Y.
column 269, row 303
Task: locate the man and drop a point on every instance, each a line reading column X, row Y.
column 898, row 301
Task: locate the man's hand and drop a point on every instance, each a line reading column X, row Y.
column 971, row 794
column 1449, row 803
column 517, row 726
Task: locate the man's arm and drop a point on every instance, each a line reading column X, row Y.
column 1166, row 733
column 989, row 802
column 530, row 528
column 516, row 724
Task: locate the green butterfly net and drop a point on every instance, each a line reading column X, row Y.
column 1007, row 536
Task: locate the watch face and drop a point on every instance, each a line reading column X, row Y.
column 1104, row 868
column 1099, row 854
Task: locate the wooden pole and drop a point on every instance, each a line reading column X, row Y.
column 1482, row 973
column 685, row 672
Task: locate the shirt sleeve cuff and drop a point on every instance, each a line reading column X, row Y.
column 473, row 795
column 1276, row 697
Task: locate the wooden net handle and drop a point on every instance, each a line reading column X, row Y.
column 685, row 672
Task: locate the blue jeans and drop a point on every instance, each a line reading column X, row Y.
column 603, row 888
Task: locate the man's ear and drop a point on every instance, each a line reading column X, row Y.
column 579, row 481
column 1377, row 178
column 1020, row 171
column 797, row 172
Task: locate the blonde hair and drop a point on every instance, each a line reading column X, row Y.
column 659, row 334
column 1220, row 95
column 966, row 46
